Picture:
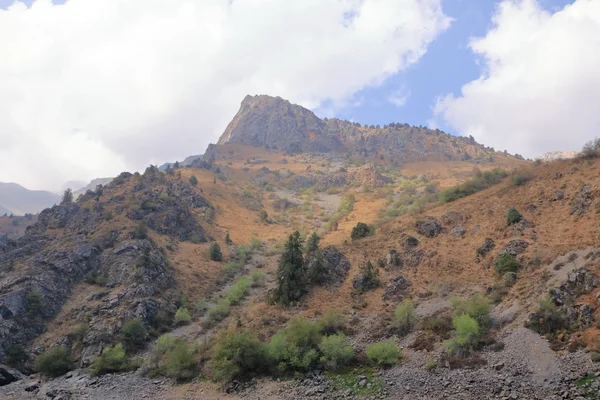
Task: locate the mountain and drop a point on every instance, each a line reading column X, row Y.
column 185, row 163
column 20, row 200
column 558, row 155
column 275, row 123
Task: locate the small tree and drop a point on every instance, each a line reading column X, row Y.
column 361, row 230
column 262, row 214
column 466, row 335
column 215, row 252
column 513, row 216
column 506, row 263
column 237, row 355
column 404, row 316
column 291, row 273
column 134, row 334
column 193, row 180
column 111, row 360
column 182, row 316
column 141, row 231
column 476, row 307
column 335, row 351
column 312, row 244
column 67, row 197
column 383, row 353
column 368, row 278
column 54, row 362
column 228, row 240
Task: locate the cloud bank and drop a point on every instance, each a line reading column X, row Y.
column 94, row 87
column 539, row 88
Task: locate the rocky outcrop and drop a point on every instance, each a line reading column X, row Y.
column 368, row 175
column 397, row 289
column 72, row 244
column 275, row 123
column 335, row 264
column 429, row 227
column 487, row 246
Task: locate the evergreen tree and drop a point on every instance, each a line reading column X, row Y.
column 228, row 240
column 215, row 252
column 67, row 197
column 291, row 274
column 193, row 180
column 313, row 243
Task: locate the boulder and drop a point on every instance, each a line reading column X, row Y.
column 397, row 289
column 515, row 247
column 9, row 375
column 487, row 246
column 429, row 227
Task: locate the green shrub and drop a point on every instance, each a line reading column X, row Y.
column 548, row 318
column 440, row 325
column 182, row 316
column 16, row 355
column 231, row 268
column 362, row 230
column 258, row 278
column 404, row 316
column 141, row 231
column 220, row 311
column 111, row 360
column 238, row 355
column 368, row 278
column 238, row 291
column 174, row 357
column 479, row 181
column 34, row 303
column 505, row 263
column 384, row 354
column 215, row 252
column 201, row 305
column 79, row 331
column 262, row 214
column 590, row 150
column 335, row 351
column 509, row 278
column 331, row 322
column 134, row 334
column 476, row 307
column 56, row 361
column 179, row 363
column 521, row 178
column 193, row 180
column 296, row 348
column 466, row 335
column 513, row 216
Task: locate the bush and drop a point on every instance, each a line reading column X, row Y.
column 505, row 263
column 238, row 291
column 591, row 149
column 174, row 357
column 220, row 311
column 182, row 316
column 111, row 360
column 215, row 252
column 335, row 351
column 331, row 322
column 141, row 231
column 513, row 216
column 521, row 178
column 231, row 268
column 466, row 335
column 477, row 307
column 134, row 334
column 548, row 318
column 34, row 303
column 384, row 354
column 56, row 361
column 262, row 214
column 258, row 278
column 295, row 348
column 368, row 278
column 16, row 355
column 509, row 279
column 440, row 325
column 193, row 180
column 479, row 181
column 404, row 316
column 236, row 356
column 362, row 230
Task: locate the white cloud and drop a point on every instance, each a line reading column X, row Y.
column 539, row 88
column 94, row 87
column 399, row 97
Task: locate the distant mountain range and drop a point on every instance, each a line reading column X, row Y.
column 15, row 199
column 91, row 186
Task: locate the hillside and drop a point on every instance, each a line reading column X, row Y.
column 19, row 200
column 142, row 248
column 275, row 123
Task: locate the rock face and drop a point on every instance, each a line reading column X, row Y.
column 129, row 276
column 275, row 123
column 335, row 265
column 397, row 289
column 429, row 227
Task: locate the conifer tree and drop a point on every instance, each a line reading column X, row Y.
column 313, row 243
column 291, row 274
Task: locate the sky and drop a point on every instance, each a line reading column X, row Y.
column 91, row 88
